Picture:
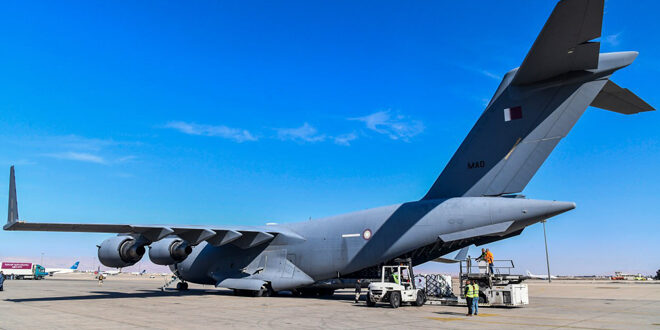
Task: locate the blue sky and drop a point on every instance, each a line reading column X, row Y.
column 251, row 112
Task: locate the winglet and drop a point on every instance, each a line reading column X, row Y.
column 459, row 256
column 462, row 253
column 12, row 209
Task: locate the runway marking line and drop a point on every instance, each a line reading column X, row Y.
column 446, row 319
column 476, row 320
column 568, row 319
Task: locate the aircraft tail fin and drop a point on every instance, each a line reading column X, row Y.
column 537, row 105
column 529, row 273
column 564, row 42
column 621, row 100
column 12, row 209
column 75, row 266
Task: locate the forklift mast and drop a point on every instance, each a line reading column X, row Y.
column 407, row 262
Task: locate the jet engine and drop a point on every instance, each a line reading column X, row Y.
column 121, row 251
column 169, row 251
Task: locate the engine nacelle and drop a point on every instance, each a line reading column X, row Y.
column 169, row 251
column 121, row 251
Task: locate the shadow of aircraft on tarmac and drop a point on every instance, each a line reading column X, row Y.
column 100, row 295
column 97, row 295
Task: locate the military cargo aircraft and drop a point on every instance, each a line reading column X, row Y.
column 473, row 201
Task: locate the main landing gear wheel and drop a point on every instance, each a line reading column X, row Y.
column 182, row 286
column 326, row 292
column 395, row 299
column 265, row 291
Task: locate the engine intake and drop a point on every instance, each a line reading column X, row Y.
column 169, row 251
column 121, row 251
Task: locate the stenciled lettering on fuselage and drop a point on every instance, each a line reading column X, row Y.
column 477, row 164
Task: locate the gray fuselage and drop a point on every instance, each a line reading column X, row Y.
column 339, row 245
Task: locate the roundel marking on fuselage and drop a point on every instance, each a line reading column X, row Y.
column 366, row 234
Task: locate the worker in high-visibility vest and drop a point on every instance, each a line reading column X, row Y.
column 489, row 260
column 469, row 290
column 396, row 277
column 475, row 297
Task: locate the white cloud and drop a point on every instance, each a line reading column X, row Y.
column 478, row 70
column 395, row 127
column 345, row 139
column 490, row 75
column 614, row 39
column 78, row 156
column 126, row 159
column 235, row 134
column 304, row 133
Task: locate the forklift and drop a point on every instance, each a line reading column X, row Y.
column 396, row 286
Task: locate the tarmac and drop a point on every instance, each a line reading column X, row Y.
column 132, row 302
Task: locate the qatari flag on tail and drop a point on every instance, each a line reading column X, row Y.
column 512, row 113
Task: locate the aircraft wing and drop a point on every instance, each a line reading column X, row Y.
column 563, row 45
column 241, row 236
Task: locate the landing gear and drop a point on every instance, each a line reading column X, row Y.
column 326, row 292
column 307, row 292
column 182, row 286
column 265, row 291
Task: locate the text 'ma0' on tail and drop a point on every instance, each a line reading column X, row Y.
column 536, row 105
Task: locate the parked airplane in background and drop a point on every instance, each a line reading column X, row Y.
column 111, row 272
column 139, row 273
column 473, row 201
column 71, row 269
column 541, row 277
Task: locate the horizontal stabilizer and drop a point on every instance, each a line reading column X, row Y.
column 563, row 44
column 614, row 98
